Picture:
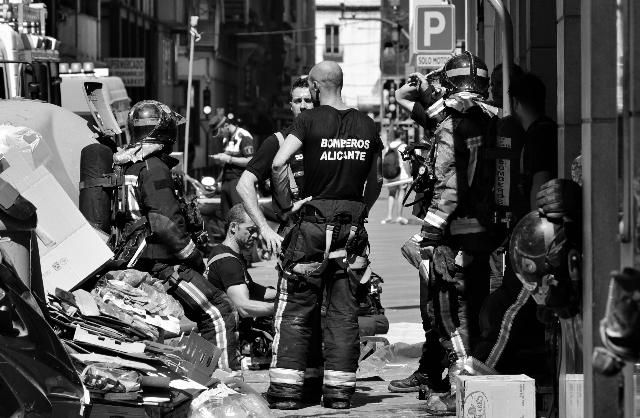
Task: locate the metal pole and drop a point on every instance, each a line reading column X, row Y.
column 99, row 31
column 193, row 22
column 507, row 52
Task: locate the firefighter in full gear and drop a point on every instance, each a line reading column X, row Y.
column 420, row 93
column 455, row 240
column 508, row 322
column 153, row 231
column 327, row 246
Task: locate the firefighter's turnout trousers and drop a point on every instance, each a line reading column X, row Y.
column 326, row 248
column 208, row 306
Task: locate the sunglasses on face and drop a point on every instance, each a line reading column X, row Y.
column 252, row 229
column 299, row 100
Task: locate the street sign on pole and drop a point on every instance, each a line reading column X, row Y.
column 433, row 33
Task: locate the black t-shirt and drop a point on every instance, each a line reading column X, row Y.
column 339, row 147
column 540, row 151
column 232, row 271
column 260, row 164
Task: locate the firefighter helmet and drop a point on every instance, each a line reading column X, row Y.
column 153, row 122
column 466, row 72
column 530, row 241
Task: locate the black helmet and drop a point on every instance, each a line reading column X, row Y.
column 466, row 72
column 152, row 122
column 530, row 241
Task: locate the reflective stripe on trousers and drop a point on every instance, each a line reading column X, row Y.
column 220, row 338
column 297, row 342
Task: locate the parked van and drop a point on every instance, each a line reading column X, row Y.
column 73, row 98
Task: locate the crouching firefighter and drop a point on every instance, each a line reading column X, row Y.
column 326, row 247
column 153, row 232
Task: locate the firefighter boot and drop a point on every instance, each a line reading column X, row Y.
column 413, row 382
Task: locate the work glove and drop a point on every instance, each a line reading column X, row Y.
column 411, row 250
column 444, row 263
column 560, row 200
column 195, row 261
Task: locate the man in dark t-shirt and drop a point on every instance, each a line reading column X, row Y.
column 227, row 271
column 327, row 246
column 259, row 168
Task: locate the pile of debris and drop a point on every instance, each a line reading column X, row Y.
column 137, row 353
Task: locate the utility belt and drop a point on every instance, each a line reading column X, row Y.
column 306, row 253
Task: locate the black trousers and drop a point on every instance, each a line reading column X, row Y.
column 298, row 344
column 208, row 306
column 229, row 196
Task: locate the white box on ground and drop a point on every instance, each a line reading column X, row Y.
column 70, row 248
column 498, row 396
column 572, row 387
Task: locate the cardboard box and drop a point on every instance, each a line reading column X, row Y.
column 497, row 396
column 70, row 248
column 572, row 392
column 199, row 358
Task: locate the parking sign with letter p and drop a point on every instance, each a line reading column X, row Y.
column 434, row 29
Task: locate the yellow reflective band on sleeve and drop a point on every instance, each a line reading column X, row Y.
column 288, row 376
column 337, row 378
column 186, row 251
column 435, row 220
column 435, row 108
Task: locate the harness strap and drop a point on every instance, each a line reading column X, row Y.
column 352, row 235
column 107, row 180
column 328, row 237
column 292, row 179
column 219, row 257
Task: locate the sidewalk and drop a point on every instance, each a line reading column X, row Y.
column 372, row 399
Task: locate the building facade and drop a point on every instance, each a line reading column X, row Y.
column 248, row 53
column 354, row 44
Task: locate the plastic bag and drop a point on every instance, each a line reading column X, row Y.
column 103, row 376
column 374, row 364
column 224, row 402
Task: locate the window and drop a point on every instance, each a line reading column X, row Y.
column 332, row 39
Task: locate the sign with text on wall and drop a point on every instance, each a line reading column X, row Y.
column 130, row 70
column 433, row 33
